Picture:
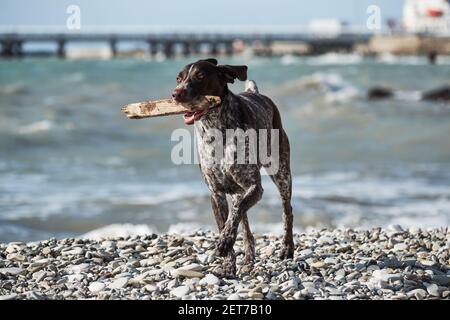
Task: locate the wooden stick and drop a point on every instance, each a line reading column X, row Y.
column 168, row 107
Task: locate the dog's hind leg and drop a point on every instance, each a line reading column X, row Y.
column 249, row 241
column 283, row 181
column 220, row 209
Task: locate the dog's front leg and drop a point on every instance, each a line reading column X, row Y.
column 220, row 209
column 229, row 233
column 249, row 240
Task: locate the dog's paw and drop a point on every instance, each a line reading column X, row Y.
column 287, row 251
column 249, row 259
column 227, row 271
column 224, row 246
column 226, row 241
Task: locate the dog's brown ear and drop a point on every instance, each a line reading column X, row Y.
column 233, row 72
column 211, row 60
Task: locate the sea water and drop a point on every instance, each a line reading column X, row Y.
column 72, row 163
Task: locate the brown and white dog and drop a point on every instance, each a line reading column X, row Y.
column 247, row 110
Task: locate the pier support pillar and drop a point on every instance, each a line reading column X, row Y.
column 61, row 52
column 186, row 49
column 229, row 48
column 152, row 47
column 168, row 49
column 214, row 49
column 195, row 47
column 11, row 48
column 113, row 46
column 7, row 48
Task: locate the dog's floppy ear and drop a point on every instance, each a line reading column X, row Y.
column 233, row 72
column 211, row 60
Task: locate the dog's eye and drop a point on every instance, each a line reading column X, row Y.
column 178, row 79
column 199, row 76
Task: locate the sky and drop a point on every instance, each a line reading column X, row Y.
column 192, row 12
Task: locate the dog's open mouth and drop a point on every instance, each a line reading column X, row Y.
column 191, row 117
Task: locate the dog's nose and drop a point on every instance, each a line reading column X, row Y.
column 178, row 94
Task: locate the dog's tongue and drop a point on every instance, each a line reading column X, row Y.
column 191, row 117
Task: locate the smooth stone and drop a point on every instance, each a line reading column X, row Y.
column 118, row 283
column 293, row 283
column 325, row 240
column 77, row 277
column 395, row 228
column 433, row 289
column 203, row 258
column 73, row 252
column 149, row 262
column 180, row 292
column 82, row 267
column 192, row 267
column 428, row 263
column 318, row 264
column 399, row 296
column 419, row 294
column 441, row 280
column 16, row 257
column 46, row 250
column 39, row 276
column 339, row 278
column 125, row 244
column 400, row 247
column 11, row 296
column 384, row 275
column 312, row 291
column 186, row 273
column 340, row 273
column 151, row 288
column 255, row 295
column 330, row 260
column 95, row 287
column 334, row 291
column 151, row 251
column 234, row 296
column 34, row 267
column 209, row 279
column 13, row 271
column 308, row 284
column 306, row 253
column 10, row 249
column 33, row 295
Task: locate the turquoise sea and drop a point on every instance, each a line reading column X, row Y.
column 71, row 163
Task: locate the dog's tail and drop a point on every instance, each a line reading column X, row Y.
column 250, row 86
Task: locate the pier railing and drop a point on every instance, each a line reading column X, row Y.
column 191, row 39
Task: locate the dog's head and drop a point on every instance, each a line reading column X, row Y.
column 204, row 78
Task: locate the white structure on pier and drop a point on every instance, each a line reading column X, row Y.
column 427, row 16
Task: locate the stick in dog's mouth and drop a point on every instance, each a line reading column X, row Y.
column 192, row 111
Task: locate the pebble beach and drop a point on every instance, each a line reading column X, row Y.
column 391, row 263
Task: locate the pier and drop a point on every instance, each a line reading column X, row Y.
column 184, row 42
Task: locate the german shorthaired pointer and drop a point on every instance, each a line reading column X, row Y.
column 247, row 110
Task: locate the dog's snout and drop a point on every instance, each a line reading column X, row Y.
column 178, row 94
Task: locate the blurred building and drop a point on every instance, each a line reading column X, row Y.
column 427, row 16
column 326, row 27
